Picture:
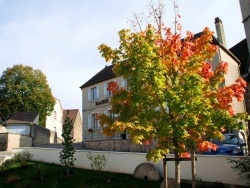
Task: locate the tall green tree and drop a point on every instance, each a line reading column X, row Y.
column 67, row 154
column 174, row 96
column 24, row 89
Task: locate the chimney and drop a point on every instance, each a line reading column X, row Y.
column 220, row 31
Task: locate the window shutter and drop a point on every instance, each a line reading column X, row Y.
column 105, row 92
column 122, row 83
column 98, row 124
column 167, row 108
column 89, row 121
column 89, row 94
column 97, row 93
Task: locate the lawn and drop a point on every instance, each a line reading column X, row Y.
column 30, row 175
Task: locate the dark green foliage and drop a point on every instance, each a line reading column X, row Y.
column 242, row 165
column 67, row 154
column 40, row 170
column 24, row 89
column 19, row 160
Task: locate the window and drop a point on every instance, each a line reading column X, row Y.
column 110, row 114
column 93, row 122
column 106, row 92
column 124, row 83
column 54, row 115
column 93, row 94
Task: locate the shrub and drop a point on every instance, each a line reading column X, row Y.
column 99, row 161
column 23, row 158
column 7, row 164
column 243, row 167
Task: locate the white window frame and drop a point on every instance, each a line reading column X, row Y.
column 93, row 94
column 124, row 83
column 93, row 123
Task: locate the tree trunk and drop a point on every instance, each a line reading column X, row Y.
column 177, row 170
column 165, row 172
column 193, row 168
column 248, row 140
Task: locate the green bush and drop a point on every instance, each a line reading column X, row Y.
column 7, row 164
column 99, row 161
column 23, row 157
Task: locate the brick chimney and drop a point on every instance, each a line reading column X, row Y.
column 220, row 31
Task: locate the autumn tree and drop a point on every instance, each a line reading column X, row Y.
column 175, row 97
column 24, row 89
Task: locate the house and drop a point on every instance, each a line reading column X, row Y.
column 55, row 121
column 95, row 97
column 20, row 122
column 22, row 130
column 74, row 115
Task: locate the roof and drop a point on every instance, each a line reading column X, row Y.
column 105, row 74
column 217, row 42
column 240, row 50
column 72, row 113
column 22, row 118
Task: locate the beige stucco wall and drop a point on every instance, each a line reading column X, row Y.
column 53, row 122
column 77, row 128
column 230, row 77
column 208, row 168
column 2, row 129
column 8, row 141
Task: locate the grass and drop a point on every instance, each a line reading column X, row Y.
column 14, row 174
column 31, row 175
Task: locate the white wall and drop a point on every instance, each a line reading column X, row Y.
column 209, row 168
column 55, row 120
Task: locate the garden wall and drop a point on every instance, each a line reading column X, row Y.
column 209, row 168
column 10, row 140
column 124, row 145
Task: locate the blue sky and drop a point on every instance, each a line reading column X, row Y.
column 60, row 37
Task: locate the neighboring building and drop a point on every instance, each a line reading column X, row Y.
column 20, row 122
column 74, row 115
column 55, row 121
column 95, row 97
column 22, row 130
